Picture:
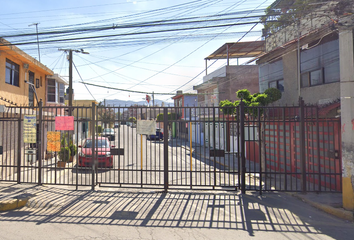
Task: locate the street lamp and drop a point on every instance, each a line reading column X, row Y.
column 34, row 90
column 39, row 55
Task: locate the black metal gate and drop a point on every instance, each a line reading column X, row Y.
column 263, row 149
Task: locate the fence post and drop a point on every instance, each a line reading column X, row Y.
column 19, row 137
column 93, row 139
column 242, row 145
column 39, row 142
column 302, row 145
column 165, row 147
column 214, row 147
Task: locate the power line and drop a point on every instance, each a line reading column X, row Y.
column 215, row 60
column 84, row 82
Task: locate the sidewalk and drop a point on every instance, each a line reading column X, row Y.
column 328, row 202
column 13, row 196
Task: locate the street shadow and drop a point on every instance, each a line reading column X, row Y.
column 176, row 209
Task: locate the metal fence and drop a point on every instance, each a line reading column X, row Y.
column 258, row 148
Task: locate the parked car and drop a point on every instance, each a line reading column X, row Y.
column 116, row 125
column 109, row 133
column 157, row 136
column 103, row 149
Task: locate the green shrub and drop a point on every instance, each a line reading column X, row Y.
column 64, row 154
column 99, row 129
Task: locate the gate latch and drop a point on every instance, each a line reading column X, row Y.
column 117, row 151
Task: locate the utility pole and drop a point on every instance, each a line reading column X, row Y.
column 71, row 74
column 153, row 99
column 39, row 55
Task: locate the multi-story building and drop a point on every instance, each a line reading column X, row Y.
column 25, row 82
column 223, row 83
column 310, row 54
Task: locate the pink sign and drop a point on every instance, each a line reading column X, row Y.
column 64, row 123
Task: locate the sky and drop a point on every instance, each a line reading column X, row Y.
column 130, row 48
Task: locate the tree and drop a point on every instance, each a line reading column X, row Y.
column 253, row 108
column 227, row 107
column 170, row 117
column 284, row 14
column 118, row 115
column 106, row 116
column 132, row 119
column 251, row 100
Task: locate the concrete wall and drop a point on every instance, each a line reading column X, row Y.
column 235, row 78
column 221, row 72
column 290, row 95
column 238, row 77
column 346, row 46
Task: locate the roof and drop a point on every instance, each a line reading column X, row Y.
column 24, row 57
column 238, row 50
column 184, row 94
column 59, row 79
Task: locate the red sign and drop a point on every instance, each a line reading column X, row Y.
column 148, row 98
column 64, row 123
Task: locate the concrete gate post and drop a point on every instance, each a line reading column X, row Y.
column 346, row 50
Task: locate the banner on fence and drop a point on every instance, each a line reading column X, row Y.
column 29, row 129
column 64, row 123
column 147, row 127
column 53, row 141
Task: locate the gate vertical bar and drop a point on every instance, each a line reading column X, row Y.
column 214, row 146
column 190, row 154
column 302, row 145
column 165, row 147
column 260, row 139
column 318, row 151
column 19, row 148
column 242, row 150
column 141, row 160
column 39, row 142
column 93, row 127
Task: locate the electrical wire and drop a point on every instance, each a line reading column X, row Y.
column 84, row 82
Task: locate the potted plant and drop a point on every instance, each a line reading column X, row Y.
column 73, row 149
column 64, row 156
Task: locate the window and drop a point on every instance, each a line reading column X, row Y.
column 269, row 75
column 12, row 73
column 320, row 64
column 51, row 90
column 31, row 89
column 55, row 91
column 316, row 77
column 279, row 84
column 61, row 92
column 312, row 78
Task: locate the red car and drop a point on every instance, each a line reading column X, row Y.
column 103, row 149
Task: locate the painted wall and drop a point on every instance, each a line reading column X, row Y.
column 19, row 94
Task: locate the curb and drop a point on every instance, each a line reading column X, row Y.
column 338, row 212
column 13, row 204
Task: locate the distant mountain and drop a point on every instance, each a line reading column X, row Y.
column 123, row 103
